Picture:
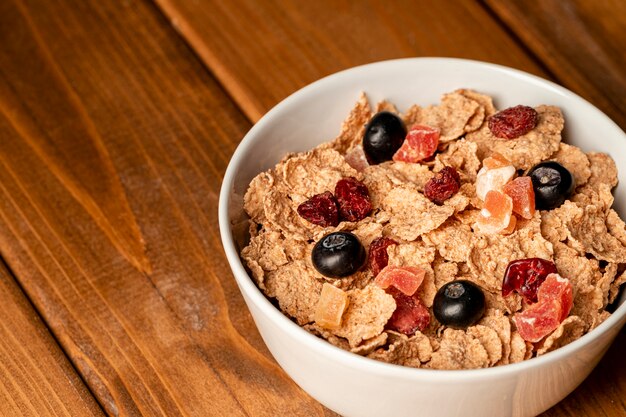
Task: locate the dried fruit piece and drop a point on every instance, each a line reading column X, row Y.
column 353, row 198
column 523, row 195
column 557, row 288
column 383, row 136
column 338, row 255
column 420, row 144
column 443, row 185
column 378, row 256
column 356, row 158
column 511, row 227
column 540, row 319
column 405, row 278
column 489, row 179
column 536, row 323
column 496, row 214
column 496, row 160
column 553, row 184
column 524, row 276
column 513, row 122
column 321, row 209
column 459, row 304
column 410, row 314
column 330, row 307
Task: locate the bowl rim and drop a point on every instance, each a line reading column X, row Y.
column 322, row 347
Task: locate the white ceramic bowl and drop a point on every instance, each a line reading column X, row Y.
column 355, row 386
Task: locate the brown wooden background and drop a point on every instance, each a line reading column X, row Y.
column 117, row 121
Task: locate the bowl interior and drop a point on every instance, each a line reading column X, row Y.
column 314, row 115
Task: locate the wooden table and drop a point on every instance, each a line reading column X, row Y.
column 117, row 121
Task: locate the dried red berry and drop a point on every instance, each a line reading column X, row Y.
column 443, row 185
column 524, row 276
column 378, row 257
column 513, row 122
column 321, row 209
column 410, row 314
column 556, row 299
column 353, row 198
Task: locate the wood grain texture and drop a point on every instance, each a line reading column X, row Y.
column 582, row 42
column 264, row 51
column 114, row 142
column 36, row 380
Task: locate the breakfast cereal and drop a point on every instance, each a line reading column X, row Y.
column 446, row 216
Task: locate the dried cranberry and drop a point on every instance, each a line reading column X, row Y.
column 410, row 314
column 321, row 209
column 525, row 276
column 443, row 185
column 378, row 257
column 513, row 122
column 353, row 198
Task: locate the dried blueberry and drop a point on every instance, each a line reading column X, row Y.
column 338, row 255
column 384, row 135
column 553, row 184
column 459, row 304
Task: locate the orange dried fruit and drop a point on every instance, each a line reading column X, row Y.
column 511, row 227
column 523, row 195
column 330, row 307
column 495, row 179
column 405, row 278
column 496, row 160
column 496, row 214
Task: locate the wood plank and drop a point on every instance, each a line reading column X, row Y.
column 114, row 142
column 296, row 42
column 581, row 42
column 36, row 378
column 264, row 51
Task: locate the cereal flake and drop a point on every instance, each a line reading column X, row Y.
column 412, row 214
column 527, row 150
column 368, row 311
